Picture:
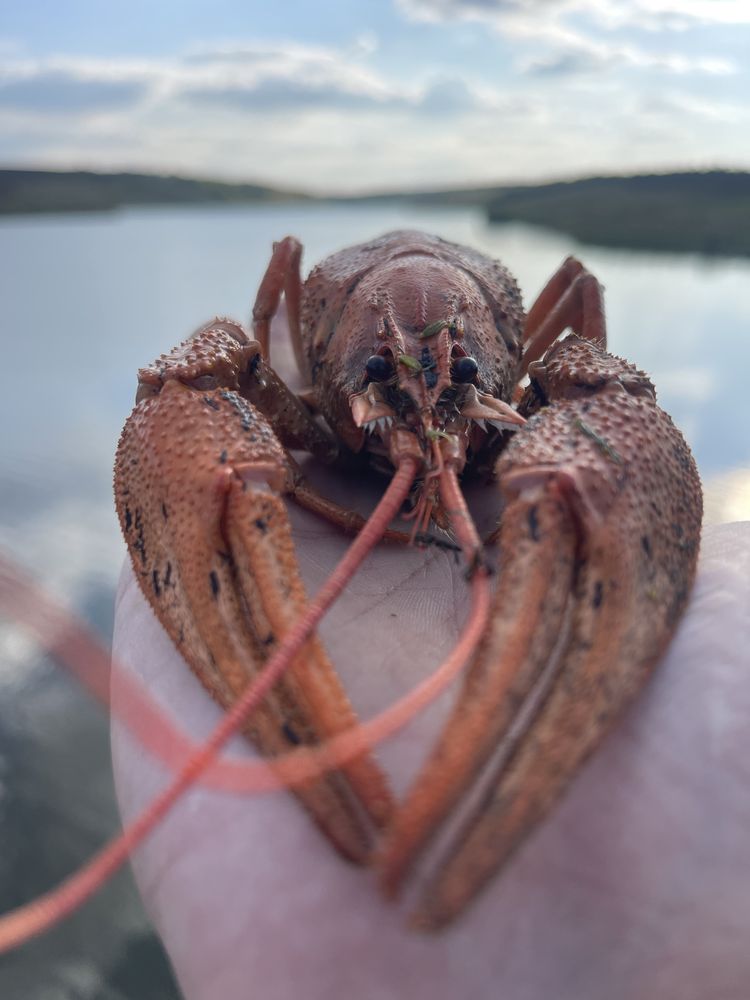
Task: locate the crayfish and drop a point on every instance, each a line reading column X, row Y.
column 421, row 364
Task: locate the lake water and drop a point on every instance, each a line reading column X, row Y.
column 85, row 301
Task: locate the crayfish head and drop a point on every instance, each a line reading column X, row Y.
column 423, row 341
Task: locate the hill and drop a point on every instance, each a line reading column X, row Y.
column 705, row 213
column 698, row 212
column 24, row 191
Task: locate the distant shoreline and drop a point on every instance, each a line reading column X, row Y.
column 697, row 212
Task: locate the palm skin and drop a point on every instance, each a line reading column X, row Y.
column 633, row 887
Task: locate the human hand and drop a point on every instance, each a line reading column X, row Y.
column 634, row 887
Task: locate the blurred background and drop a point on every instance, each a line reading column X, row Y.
column 149, row 156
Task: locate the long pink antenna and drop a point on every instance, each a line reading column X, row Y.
column 19, row 925
column 69, row 641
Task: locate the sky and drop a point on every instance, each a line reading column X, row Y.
column 358, row 95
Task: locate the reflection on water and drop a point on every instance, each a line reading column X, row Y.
column 86, row 300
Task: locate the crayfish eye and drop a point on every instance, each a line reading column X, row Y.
column 464, row 369
column 377, row 367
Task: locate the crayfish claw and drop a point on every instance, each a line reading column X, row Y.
column 212, row 549
column 599, row 544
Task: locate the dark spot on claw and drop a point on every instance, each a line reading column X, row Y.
column 269, row 639
column 242, row 408
column 140, row 543
column 168, row 575
column 155, row 582
column 261, row 525
column 164, row 511
column 646, row 545
column 223, row 457
column 128, row 519
column 675, row 608
column 533, row 524
column 290, row 734
column 596, row 600
column 214, row 580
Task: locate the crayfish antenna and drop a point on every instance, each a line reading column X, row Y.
column 31, row 919
column 434, row 795
column 461, row 521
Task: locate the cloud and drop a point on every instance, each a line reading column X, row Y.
column 650, row 14
column 351, row 117
column 449, row 96
column 54, row 91
column 68, row 86
column 677, row 14
column 255, row 77
column 585, row 36
column 276, row 87
column 676, row 106
column 574, row 57
column 252, row 77
column 480, row 10
column 284, row 94
column 60, row 85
